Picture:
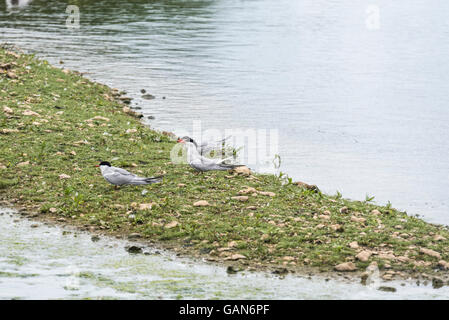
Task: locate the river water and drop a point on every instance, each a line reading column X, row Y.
column 358, row 92
column 38, row 261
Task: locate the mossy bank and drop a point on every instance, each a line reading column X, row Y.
column 55, row 125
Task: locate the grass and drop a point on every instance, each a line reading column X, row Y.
column 75, row 123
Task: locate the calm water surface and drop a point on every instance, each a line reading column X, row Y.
column 358, row 110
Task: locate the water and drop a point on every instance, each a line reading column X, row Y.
column 359, row 109
column 48, row 262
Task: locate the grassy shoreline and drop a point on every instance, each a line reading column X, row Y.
column 56, row 125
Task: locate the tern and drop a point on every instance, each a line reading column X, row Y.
column 120, row 177
column 206, row 148
column 202, row 164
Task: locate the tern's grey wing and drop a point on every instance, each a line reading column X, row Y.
column 121, row 171
column 118, row 178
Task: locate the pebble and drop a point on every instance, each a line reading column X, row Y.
column 201, row 203
column 240, row 198
column 171, row 224
column 344, row 210
column 364, row 255
column 133, row 249
column 430, row 252
column 346, row 266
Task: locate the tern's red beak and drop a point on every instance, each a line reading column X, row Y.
column 97, row 165
column 180, row 140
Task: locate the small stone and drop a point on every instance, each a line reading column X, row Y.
column 133, row 249
column 148, row 97
column 443, row 264
column 375, row 212
column 6, row 131
column 172, row 224
column 95, row 238
column 264, row 237
column 356, row 219
column 131, row 131
column 7, row 110
column 23, row 164
column 243, row 170
column 288, row 258
column 100, row 118
column 53, row 210
column 247, row 190
column 145, row 206
column 337, row 227
column 306, row 186
column 201, row 203
column 267, row 193
column 364, row 255
column 387, row 276
column 232, row 270
column 232, row 244
column 240, row 198
column 430, row 252
column 354, row 245
column 324, row 217
column 344, row 210
column 387, row 289
column 346, row 266
column 438, row 237
column 134, row 236
column 30, row 113
column 181, row 185
column 11, row 75
column 437, row 283
column 236, row 256
column 251, row 208
column 64, row 176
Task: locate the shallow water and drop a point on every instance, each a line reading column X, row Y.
column 360, row 108
column 50, row 262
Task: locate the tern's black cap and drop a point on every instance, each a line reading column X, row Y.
column 105, row 163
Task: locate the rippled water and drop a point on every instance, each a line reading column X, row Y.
column 359, row 110
column 47, row 262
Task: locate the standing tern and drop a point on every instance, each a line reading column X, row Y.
column 200, row 163
column 119, row 177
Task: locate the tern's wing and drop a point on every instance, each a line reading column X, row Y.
column 118, row 178
column 121, row 171
column 206, row 147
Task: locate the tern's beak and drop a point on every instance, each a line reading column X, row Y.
column 97, row 165
column 180, row 140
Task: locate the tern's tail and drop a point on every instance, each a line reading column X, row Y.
column 140, row 181
column 154, row 179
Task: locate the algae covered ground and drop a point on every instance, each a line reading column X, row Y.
column 56, row 125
